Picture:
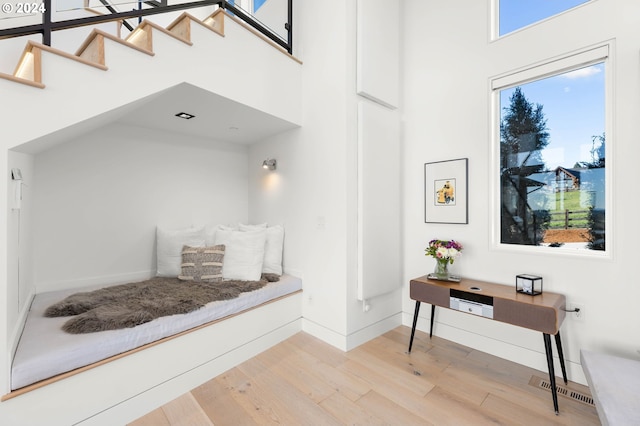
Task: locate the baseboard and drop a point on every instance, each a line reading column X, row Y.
column 518, row 354
column 355, row 339
column 372, row 331
column 325, row 334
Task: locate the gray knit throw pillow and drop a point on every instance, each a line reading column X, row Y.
column 202, row 264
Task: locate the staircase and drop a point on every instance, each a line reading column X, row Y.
column 107, row 72
column 92, row 51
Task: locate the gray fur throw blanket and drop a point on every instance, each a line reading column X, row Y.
column 129, row 305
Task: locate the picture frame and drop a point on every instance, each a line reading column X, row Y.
column 446, row 191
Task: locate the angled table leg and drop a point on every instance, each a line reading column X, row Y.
column 561, row 355
column 415, row 321
column 552, row 373
column 433, row 314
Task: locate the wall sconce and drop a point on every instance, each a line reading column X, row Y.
column 269, row 164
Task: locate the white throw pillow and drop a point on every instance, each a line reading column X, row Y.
column 210, row 232
column 243, row 255
column 246, row 227
column 272, row 263
column 169, row 245
column 228, row 227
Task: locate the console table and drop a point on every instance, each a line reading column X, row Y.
column 544, row 312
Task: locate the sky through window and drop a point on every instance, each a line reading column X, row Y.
column 574, row 106
column 515, row 14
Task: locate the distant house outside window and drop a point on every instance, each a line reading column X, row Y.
column 552, row 157
column 516, row 14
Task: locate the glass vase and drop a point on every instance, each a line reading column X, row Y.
column 442, row 269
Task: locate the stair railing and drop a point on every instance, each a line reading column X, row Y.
column 111, row 9
column 48, row 26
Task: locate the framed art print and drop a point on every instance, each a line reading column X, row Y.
column 445, row 190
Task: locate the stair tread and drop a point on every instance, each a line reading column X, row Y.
column 64, row 54
column 112, row 37
column 21, row 80
column 165, row 31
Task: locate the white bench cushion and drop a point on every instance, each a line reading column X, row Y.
column 615, row 386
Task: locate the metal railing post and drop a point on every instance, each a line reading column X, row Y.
column 46, row 23
column 288, row 26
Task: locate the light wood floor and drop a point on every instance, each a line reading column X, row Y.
column 304, row 381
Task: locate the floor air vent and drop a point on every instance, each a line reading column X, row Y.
column 561, row 390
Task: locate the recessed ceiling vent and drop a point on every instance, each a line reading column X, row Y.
column 185, row 115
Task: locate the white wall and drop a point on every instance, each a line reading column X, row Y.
column 314, row 190
column 448, row 60
column 20, row 258
column 382, row 312
column 312, row 171
column 378, row 51
column 98, row 199
column 378, row 150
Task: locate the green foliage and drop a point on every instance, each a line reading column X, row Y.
column 597, row 153
column 596, row 229
column 523, row 135
column 523, row 129
column 569, row 200
column 543, row 218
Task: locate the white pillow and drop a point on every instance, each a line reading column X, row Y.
column 210, row 233
column 245, row 227
column 243, row 254
column 272, row 262
column 169, row 245
column 228, row 227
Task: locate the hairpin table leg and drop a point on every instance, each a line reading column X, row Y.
column 415, row 321
column 433, row 314
column 552, row 373
column 561, row 355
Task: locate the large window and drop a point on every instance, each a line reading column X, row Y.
column 552, row 139
column 516, row 14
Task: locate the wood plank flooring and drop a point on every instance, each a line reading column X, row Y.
column 304, row 381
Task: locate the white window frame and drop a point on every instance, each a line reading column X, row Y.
column 601, row 53
column 246, row 5
column 495, row 18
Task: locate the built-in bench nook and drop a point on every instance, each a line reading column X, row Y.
column 244, row 255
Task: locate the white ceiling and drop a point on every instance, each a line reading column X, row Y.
column 216, row 118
